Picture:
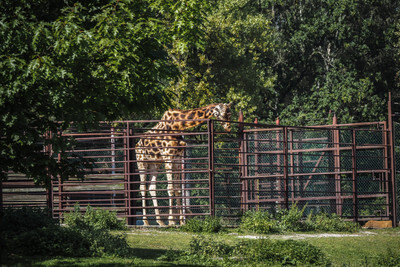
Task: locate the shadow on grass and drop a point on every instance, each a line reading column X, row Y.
column 139, row 257
column 154, row 254
column 148, row 254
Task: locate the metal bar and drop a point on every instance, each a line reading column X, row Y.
column 285, row 168
column 60, row 189
column 291, row 162
column 392, row 162
column 210, row 125
column 336, row 155
column 1, row 194
column 384, row 186
column 127, row 167
column 354, row 176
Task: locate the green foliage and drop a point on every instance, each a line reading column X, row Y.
column 259, row 222
column 285, row 252
column 210, row 251
column 82, row 62
column 47, row 238
column 208, row 246
column 202, row 225
column 330, row 223
column 335, row 56
column 291, row 220
column 389, row 259
column 94, row 218
column 14, row 220
column 294, row 60
column 231, row 65
column 262, row 222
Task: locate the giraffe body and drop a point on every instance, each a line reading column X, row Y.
column 161, row 148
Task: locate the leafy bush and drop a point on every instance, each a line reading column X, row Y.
column 291, row 220
column 279, row 251
column 262, row 222
column 95, row 218
column 259, row 222
column 206, row 246
column 330, row 223
column 202, row 225
column 48, row 241
column 207, row 250
column 25, row 219
column 389, row 259
column 47, row 238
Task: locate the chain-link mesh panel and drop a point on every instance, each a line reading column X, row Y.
column 334, row 170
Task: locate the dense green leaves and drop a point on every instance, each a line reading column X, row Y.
column 81, row 63
column 231, row 65
column 337, row 55
column 103, row 60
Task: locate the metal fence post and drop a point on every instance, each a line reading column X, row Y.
column 48, row 149
column 1, row 194
column 60, row 192
column 285, row 167
column 127, row 169
column 242, row 164
column 336, row 160
column 392, row 162
column 210, row 124
column 354, row 175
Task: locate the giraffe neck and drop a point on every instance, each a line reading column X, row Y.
column 175, row 119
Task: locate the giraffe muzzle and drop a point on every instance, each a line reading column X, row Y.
column 227, row 126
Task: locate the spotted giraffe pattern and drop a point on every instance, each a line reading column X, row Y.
column 158, row 147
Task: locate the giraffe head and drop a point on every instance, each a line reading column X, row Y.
column 223, row 112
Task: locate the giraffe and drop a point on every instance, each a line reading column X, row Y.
column 153, row 151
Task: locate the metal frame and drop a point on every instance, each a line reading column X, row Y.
column 224, row 175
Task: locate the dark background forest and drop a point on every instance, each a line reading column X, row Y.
column 82, row 62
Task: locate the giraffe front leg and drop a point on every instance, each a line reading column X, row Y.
column 153, row 193
column 142, row 167
column 178, row 193
column 171, row 217
column 171, row 193
column 143, row 192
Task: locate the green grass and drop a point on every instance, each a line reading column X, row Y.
column 361, row 250
column 149, row 245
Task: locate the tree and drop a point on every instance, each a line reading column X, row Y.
column 81, row 63
column 231, row 66
column 334, row 55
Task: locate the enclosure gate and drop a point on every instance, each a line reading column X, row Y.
column 343, row 169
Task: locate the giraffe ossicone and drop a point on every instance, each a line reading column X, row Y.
column 155, row 150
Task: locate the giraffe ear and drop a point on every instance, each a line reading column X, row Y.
column 230, row 104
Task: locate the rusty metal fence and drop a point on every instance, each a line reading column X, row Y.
column 343, row 169
column 333, row 169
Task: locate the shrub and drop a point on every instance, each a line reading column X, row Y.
column 25, row 219
column 207, row 250
column 259, row 222
column 95, row 218
column 389, row 259
column 330, row 223
column 49, row 241
column 291, row 220
column 47, row 238
column 206, row 246
column 202, row 225
column 279, row 251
